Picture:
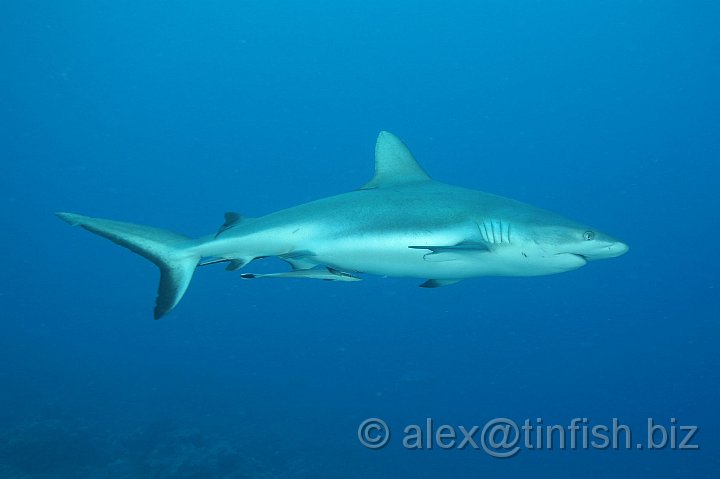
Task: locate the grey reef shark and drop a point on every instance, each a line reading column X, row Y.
column 402, row 223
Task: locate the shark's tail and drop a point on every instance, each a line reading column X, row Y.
column 171, row 252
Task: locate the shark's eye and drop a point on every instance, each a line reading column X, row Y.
column 589, row 235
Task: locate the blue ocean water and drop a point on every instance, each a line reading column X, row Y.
column 171, row 113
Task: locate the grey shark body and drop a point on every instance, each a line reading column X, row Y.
column 402, row 224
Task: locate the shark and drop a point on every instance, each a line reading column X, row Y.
column 401, row 223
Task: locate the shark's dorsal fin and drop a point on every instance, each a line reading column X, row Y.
column 394, row 164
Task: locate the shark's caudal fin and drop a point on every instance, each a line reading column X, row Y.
column 171, row 252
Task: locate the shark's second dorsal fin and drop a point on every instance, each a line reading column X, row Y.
column 231, row 219
column 394, row 164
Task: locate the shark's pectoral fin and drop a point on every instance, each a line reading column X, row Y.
column 460, row 247
column 453, row 252
column 437, row 283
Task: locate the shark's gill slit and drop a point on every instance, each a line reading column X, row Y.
column 486, row 237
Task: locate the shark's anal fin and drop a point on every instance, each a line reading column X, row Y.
column 437, row 283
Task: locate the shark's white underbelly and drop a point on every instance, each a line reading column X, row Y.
column 391, row 255
column 397, row 253
column 415, row 263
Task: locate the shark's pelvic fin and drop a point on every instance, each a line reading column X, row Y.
column 394, row 164
column 236, row 263
column 171, row 252
column 300, row 260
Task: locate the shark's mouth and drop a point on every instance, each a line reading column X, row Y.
column 582, row 256
column 578, row 259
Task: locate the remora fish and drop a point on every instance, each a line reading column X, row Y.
column 401, row 223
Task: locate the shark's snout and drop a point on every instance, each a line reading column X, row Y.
column 618, row 249
column 609, row 250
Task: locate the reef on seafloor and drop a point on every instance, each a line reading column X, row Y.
column 63, row 447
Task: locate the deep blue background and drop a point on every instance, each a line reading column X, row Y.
column 170, row 113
